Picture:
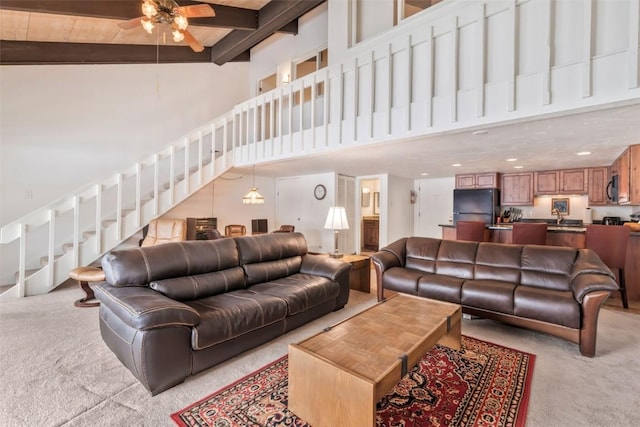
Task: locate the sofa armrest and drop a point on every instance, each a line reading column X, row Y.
column 385, row 260
column 145, row 309
column 583, row 284
column 590, row 274
column 319, row 265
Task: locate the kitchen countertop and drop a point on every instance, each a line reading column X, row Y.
column 551, row 228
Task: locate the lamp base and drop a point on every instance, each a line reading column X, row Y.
column 336, row 255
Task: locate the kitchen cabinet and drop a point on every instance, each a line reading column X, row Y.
column 370, row 233
column 478, row 180
column 546, row 182
column 574, row 181
column 570, row 181
column 627, row 168
column 517, row 189
column 598, row 180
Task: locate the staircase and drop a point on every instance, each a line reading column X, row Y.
column 437, row 72
column 77, row 229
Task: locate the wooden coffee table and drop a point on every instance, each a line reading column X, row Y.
column 337, row 376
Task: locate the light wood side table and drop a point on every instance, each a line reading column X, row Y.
column 360, row 275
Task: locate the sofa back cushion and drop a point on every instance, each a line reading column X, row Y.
column 202, row 285
column 497, row 261
column 456, row 258
column 267, row 257
column 140, row 266
column 547, row 266
column 421, row 253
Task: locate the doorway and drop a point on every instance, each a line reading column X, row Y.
column 370, row 214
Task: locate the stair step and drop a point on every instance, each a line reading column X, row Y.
column 27, row 273
column 107, row 222
column 88, row 234
column 44, row 261
column 67, row 247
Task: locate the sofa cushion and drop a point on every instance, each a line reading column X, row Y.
column 548, row 267
column 456, row 258
column 272, row 256
column 496, row 261
column 422, row 253
column 443, row 288
column 232, row 314
column 558, row 307
column 402, row 279
column 140, row 266
column 491, row 295
column 300, row 291
column 201, row 285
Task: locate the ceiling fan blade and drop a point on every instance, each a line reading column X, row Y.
column 198, row 11
column 130, row 24
column 192, row 42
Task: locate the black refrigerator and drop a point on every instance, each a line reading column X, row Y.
column 476, row 205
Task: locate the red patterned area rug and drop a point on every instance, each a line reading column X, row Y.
column 483, row 384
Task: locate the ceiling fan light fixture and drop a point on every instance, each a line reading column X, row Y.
column 178, row 35
column 181, row 21
column 147, row 25
column 149, row 9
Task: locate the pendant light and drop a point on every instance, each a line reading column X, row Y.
column 253, row 197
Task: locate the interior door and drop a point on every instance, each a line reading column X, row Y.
column 288, row 207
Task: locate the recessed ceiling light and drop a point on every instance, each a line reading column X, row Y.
column 518, row 167
column 481, row 132
column 424, row 174
column 513, row 159
column 584, row 153
column 456, row 165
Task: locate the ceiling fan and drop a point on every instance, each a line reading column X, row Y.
column 169, row 12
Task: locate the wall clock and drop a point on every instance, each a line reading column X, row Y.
column 320, row 191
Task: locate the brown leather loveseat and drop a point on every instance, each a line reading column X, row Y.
column 555, row 290
column 173, row 310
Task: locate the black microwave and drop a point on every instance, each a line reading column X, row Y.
column 612, row 189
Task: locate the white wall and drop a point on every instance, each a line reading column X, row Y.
column 399, row 215
column 277, row 52
column 434, row 205
column 222, row 199
column 64, row 126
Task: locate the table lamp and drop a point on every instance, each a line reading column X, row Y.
column 336, row 221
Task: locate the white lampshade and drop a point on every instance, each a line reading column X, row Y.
column 336, row 219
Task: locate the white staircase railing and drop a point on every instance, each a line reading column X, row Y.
column 435, row 73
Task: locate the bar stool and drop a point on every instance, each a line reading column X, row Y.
column 529, row 233
column 84, row 275
column 610, row 243
column 472, row 231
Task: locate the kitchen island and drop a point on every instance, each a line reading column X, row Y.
column 569, row 236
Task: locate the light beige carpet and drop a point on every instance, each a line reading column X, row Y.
column 55, row 369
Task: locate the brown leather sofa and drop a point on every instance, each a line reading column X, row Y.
column 173, row 310
column 556, row 290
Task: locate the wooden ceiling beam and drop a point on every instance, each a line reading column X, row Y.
column 29, row 53
column 272, row 17
column 226, row 16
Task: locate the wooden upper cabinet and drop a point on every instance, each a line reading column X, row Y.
column 478, row 180
column 466, row 181
column 488, row 180
column 547, row 182
column 621, row 168
column 634, row 174
column 598, row 180
column 517, row 189
column 627, row 167
column 574, row 181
